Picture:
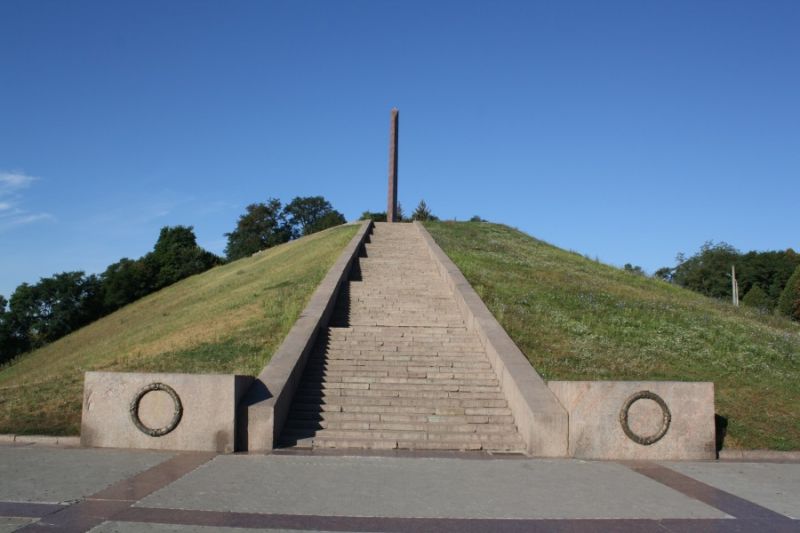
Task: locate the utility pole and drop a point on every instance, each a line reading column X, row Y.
column 734, row 286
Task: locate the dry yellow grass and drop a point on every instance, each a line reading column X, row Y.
column 227, row 320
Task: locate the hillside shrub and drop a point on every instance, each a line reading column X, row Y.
column 423, row 213
column 789, row 302
column 757, row 298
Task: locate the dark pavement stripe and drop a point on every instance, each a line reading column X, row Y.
column 78, row 518
column 371, row 524
column 443, row 525
column 28, row 510
column 107, row 503
column 731, row 526
column 137, row 487
column 724, row 501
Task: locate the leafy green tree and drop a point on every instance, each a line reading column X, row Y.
column 55, row 306
column 375, row 216
column 476, row 218
column 789, row 302
column 262, row 226
column 758, row 298
column 3, row 318
column 330, row 220
column 176, row 256
column 42, row 313
column 11, row 344
column 423, row 212
column 770, row 270
column 707, row 272
column 310, row 214
column 126, row 281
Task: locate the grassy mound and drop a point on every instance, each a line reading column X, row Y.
column 578, row 319
column 227, row 320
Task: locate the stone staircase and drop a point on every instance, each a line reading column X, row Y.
column 398, row 368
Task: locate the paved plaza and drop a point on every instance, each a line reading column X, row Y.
column 105, row 490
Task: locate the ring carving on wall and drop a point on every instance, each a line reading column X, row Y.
column 666, row 418
column 176, row 415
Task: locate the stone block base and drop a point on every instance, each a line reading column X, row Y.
column 653, row 420
column 189, row 412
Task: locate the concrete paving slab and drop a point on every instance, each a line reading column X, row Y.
column 136, row 527
column 57, row 475
column 775, row 486
column 7, row 525
column 426, row 488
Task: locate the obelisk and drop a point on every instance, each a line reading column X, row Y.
column 391, row 208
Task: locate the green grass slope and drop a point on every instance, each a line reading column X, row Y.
column 227, row 320
column 578, row 319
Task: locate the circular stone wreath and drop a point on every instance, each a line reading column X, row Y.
column 176, row 415
column 665, row 420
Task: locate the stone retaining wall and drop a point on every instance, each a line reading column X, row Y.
column 189, row 412
column 639, row 420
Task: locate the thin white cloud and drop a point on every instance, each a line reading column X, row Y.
column 10, row 212
column 14, row 181
column 11, row 215
column 25, row 218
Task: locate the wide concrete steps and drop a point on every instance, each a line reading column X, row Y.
column 400, row 387
column 398, row 367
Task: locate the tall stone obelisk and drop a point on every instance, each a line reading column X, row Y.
column 391, row 208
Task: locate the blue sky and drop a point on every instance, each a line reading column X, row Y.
column 627, row 131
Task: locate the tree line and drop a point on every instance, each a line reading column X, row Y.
column 40, row 313
column 265, row 225
column 768, row 281
column 37, row 314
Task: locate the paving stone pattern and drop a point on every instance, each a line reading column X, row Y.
column 397, row 368
column 386, row 491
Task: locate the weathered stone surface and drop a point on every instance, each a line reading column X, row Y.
column 207, row 422
column 596, row 430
